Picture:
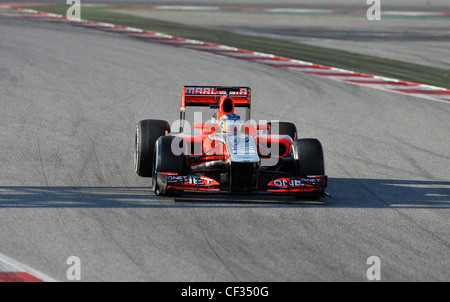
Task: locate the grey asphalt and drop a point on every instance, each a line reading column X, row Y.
column 419, row 40
column 71, row 97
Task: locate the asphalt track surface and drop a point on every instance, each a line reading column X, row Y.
column 419, row 40
column 70, row 100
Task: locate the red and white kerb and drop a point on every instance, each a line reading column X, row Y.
column 298, row 66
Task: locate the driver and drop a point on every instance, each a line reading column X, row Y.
column 230, row 122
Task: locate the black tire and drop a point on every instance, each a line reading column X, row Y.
column 147, row 133
column 308, row 156
column 283, row 128
column 164, row 159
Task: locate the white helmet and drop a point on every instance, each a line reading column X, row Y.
column 230, row 122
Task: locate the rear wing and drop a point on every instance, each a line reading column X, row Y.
column 209, row 96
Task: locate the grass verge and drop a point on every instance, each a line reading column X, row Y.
column 319, row 55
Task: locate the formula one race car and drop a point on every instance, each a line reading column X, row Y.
column 227, row 153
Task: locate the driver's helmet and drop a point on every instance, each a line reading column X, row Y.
column 230, row 122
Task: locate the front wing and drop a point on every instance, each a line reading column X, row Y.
column 312, row 184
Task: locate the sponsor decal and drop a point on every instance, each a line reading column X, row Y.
column 242, row 91
column 213, row 90
column 192, row 180
column 286, row 182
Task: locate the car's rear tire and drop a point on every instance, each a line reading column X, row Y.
column 167, row 159
column 283, row 128
column 308, row 156
column 147, row 132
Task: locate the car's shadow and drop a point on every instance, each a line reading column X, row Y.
column 345, row 193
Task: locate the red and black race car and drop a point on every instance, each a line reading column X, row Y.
column 227, row 153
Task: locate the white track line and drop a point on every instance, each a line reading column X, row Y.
column 9, row 265
column 346, row 76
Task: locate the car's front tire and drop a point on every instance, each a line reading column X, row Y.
column 169, row 156
column 309, row 160
column 147, row 132
column 308, row 156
